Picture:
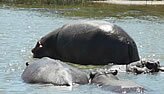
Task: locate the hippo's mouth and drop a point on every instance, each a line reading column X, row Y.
column 40, row 53
column 37, row 52
column 37, row 56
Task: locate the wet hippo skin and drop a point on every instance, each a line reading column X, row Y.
column 88, row 43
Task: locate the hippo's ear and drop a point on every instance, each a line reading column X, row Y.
column 92, row 75
column 27, row 63
column 114, row 72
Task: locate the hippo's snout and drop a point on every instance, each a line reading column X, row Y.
column 37, row 56
column 33, row 50
column 38, row 50
column 36, row 53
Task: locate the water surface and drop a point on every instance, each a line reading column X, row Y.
column 21, row 28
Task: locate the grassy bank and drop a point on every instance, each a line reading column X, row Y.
column 119, row 11
column 83, row 8
column 46, row 2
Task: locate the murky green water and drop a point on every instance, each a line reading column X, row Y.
column 21, row 28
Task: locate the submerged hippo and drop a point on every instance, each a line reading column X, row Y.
column 92, row 42
column 47, row 70
column 108, row 81
column 143, row 66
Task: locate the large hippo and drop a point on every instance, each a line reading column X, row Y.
column 90, row 42
column 47, row 70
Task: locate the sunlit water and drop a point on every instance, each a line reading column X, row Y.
column 21, row 28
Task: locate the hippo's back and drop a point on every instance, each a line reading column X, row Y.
column 52, row 71
column 95, row 43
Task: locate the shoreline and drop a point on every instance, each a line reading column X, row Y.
column 126, row 2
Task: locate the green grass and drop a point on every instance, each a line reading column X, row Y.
column 94, row 10
column 109, row 10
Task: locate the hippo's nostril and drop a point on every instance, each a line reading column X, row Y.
column 34, row 53
column 33, row 50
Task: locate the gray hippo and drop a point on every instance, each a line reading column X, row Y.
column 143, row 66
column 109, row 81
column 88, row 43
column 47, row 70
column 58, row 73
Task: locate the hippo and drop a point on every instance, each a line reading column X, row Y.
column 144, row 66
column 88, row 43
column 109, row 81
column 58, row 73
column 138, row 67
column 47, row 70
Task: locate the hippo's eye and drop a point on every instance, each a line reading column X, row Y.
column 40, row 45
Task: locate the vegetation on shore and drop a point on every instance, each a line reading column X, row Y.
column 85, row 8
column 46, row 2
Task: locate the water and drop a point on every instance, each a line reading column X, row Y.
column 21, row 28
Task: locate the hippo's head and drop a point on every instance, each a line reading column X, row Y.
column 152, row 65
column 95, row 74
column 46, row 46
column 40, row 50
column 43, row 48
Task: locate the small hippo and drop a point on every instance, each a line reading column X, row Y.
column 52, row 71
column 109, row 81
column 143, row 66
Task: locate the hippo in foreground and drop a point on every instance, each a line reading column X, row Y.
column 88, row 43
column 55, row 72
column 47, row 70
